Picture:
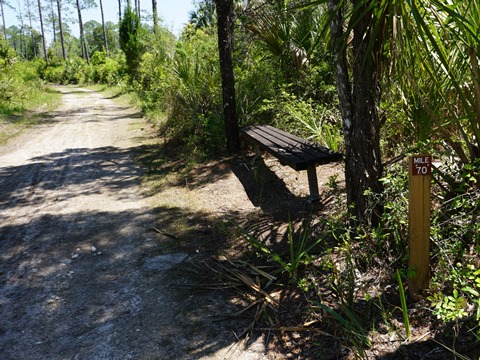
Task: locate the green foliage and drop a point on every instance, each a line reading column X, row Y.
column 455, row 234
column 306, row 119
column 342, row 278
column 7, row 55
column 7, row 78
column 19, row 80
column 387, row 240
column 448, row 307
column 192, row 100
column 256, row 81
column 438, row 44
column 105, row 70
column 300, row 248
column 403, row 303
column 129, row 35
column 21, row 90
column 154, row 71
column 95, row 40
column 292, row 38
column 351, row 324
column 455, row 225
column 204, row 15
column 72, row 71
column 464, row 280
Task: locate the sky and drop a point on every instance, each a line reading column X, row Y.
column 175, row 13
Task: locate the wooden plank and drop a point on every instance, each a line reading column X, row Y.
column 316, row 151
column 288, row 146
column 287, row 153
column 286, row 138
column 303, row 153
column 284, row 156
column 296, row 138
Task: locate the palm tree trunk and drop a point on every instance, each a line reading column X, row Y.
column 104, row 28
column 476, row 85
column 368, row 168
column 225, row 23
column 62, row 39
column 358, row 105
column 119, row 11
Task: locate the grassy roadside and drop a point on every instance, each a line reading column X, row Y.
column 32, row 109
column 317, row 289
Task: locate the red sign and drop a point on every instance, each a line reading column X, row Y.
column 422, row 165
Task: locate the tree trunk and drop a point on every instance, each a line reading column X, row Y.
column 3, row 20
column 343, row 87
column 225, row 28
column 361, row 126
column 476, row 92
column 104, row 27
column 137, row 7
column 366, row 137
column 32, row 36
column 119, row 11
column 62, row 38
column 22, row 41
column 43, row 32
column 82, row 34
column 54, row 28
column 155, row 16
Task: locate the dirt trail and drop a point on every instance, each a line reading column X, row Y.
column 79, row 272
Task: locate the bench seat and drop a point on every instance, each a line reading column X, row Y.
column 291, row 150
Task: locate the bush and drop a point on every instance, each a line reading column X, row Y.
column 130, row 29
column 18, row 79
column 192, row 101
column 256, row 80
column 7, row 55
column 306, row 118
column 104, row 70
column 155, row 65
column 71, row 71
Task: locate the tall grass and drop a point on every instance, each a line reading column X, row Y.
column 24, row 98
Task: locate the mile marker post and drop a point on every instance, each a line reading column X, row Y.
column 420, row 177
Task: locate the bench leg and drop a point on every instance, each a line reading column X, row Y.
column 258, row 152
column 313, row 184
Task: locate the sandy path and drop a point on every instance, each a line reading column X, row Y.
column 73, row 245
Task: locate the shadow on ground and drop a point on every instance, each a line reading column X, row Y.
column 72, row 280
column 73, row 283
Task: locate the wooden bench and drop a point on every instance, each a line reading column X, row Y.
column 291, row 150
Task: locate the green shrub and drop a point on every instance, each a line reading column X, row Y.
column 152, row 81
column 7, row 55
column 103, row 69
column 306, row 118
column 256, row 80
column 192, row 101
column 18, row 79
column 130, row 29
column 71, row 71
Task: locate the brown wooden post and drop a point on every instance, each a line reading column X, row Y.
column 420, row 171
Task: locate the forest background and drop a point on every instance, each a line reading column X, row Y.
column 375, row 80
